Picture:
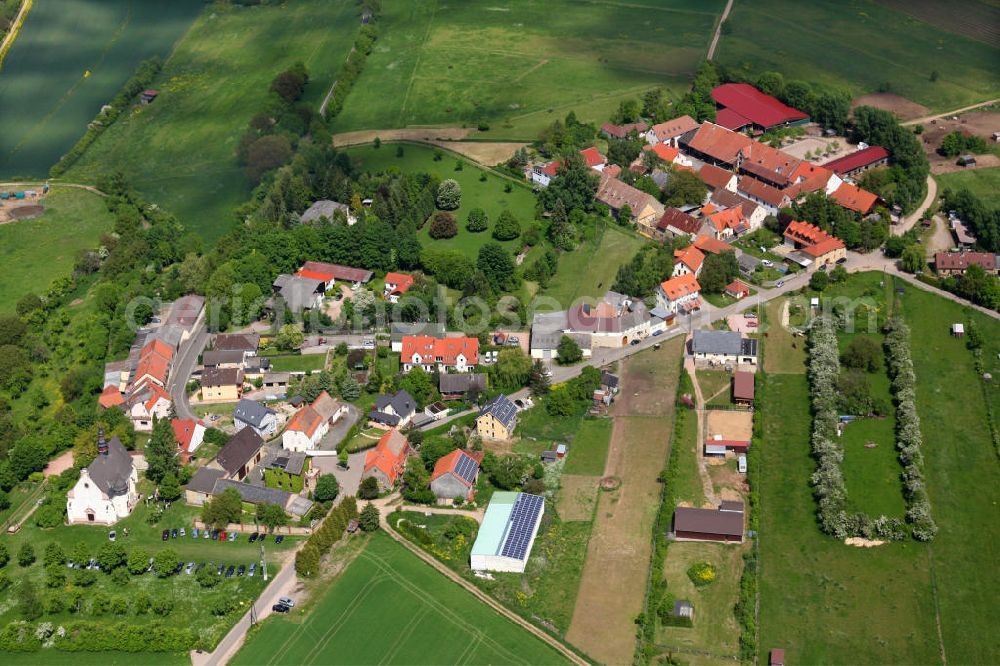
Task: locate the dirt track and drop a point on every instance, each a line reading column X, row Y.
column 449, row 138
column 613, row 585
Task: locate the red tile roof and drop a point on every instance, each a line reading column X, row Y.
column 691, row 257
column 159, row 347
column 715, row 177
column 156, row 394
column 184, row 430
column 154, row 366
column 110, row 397
column 593, row 157
column 345, row 273
column 670, row 129
column 738, row 287
column 711, row 245
column 730, row 218
column 761, row 109
column 854, row 198
column 663, row 151
column 684, row 223
column 389, row 455
column 959, row 261
column 402, row 281
column 622, row 131
column 755, row 189
column 743, row 385
column 857, row 159
column 816, row 241
column 306, row 421
column 680, row 286
column 449, row 463
column 719, row 142
column 315, row 275
column 731, row 120
column 440, row 350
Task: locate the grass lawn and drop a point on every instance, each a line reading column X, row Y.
column 537, row 424
column 74, row 219
column 589, row 271
column 297, row 362
column 715, row 629
column 70, row 58
column 984, row 183
column 687, row 480
column 589, row 451
column 783, row 352
column 488, row 195
column 389, row 365
column 713, row 382
column 57, row 658
column 422, row 617
column 189, row 598
column 876, row 46
column 521, row 65
column 180, row 151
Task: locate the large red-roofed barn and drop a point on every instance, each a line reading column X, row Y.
column 741, row 105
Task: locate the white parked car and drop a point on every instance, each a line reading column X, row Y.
column 767, row 262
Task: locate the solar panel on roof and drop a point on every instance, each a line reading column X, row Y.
column 466, row 468
column 522, row 525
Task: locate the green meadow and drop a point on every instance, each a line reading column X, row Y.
column 180, row 151
column 984, row 183
column 862, row 47
column 68, row 60
column 519, row 64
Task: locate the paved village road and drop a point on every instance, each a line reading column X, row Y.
column 180, row 370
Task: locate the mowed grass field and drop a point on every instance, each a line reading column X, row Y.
column 389, row 607
column 860, row 46
column 589, row 450
column 46, row 98
column 488, row 195
column 180, row 151
column 825, row 602
column 35, row 252
column 519, row 64
column 984, row 183
column 590, row 269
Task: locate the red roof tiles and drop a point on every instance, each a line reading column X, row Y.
column 857, row 159
column 440, row 350
column 751, row 103
column 680, row 286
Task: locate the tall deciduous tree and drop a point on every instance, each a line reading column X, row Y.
column 161, row 452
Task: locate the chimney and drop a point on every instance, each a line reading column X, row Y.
column 102, row 444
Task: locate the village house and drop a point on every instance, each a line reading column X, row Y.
column 613, row 322
column 399, row 330
column 456, row 354
column 854, row 198
column 769, row 197
column 859, row 161
column 646, row 211
column 288, row 471
column 327, row 210
column 396, row 284
column 154, row 363
column 387, row 461
column 717, row 178
column 737, row 289
column 457, row 387
column 497, row 419
column 252, row 414
column 254, row 495
column 299, row 293
column 221, row 384
column 330, row 274
column 455, row 475
column 612, row 131
column 145, row 403
column 667, row 153
column 723, row 348
column 223, row 359
column 593, row 158
column 668, row 133
column 814, row 247
column 189, row 435
column 392, row 411
column 542, row 174
column 753, row 213
column 688, row 261
column 723, row 524
column 309, row 425
column 106, row 490
column 710, row 245
column 956, row 263
column 239, row 455
column 675, row 222
column 248, row 343
column 681, row 294
column 277, row 382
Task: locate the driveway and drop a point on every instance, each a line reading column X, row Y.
column 349, row 479
column 340, row 429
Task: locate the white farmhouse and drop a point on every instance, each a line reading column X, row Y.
column 106, row 490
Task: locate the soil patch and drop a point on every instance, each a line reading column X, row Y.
column 577, row 497
column 731, row 425
column 59, row 465
column 449, row 138
column 897, row 104
column 858, row 542
column 978, row 123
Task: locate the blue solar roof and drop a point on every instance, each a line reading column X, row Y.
column 522, row 524
column 467, row 468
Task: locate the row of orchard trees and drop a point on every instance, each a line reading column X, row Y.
column 329, row 533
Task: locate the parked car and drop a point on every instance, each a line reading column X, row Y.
column 222, row 567
column 368, row 343
column 229, row 571
column 280, row 608
column 173, row 533
column 780, row 283
column 150, row 567
column 767, row 262
column 222, row 535
column 288, row 602
column 656, row 333
column 178, row 568
column 215, row 535
column 189, row 569
column 242, row 570
column 233, row 535
column 751, row 324
column 842, row 260
column 253, row 537
column 183, row 532
column 199, row 567
column 279, row 538
column 166, row 534
column 194, row 532
column 112, row 535
column 635, row 342
column 252, row 570
column 750, row 315
column 513, row 341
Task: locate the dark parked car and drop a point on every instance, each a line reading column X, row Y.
column 215, row 535
column 253, row 537
column 166, row 534
column 242, row 570
column 229, row 571
column 280, row 608
column 199, row 567
column 279, row 538
column 635, row 342
column 173, row 533
column 842, row 260
column 222, row 567
column 178, row 568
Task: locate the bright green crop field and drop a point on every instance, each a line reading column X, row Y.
column 984, row 183
column 389, row 607
column 180, row 151
column 520, row 64
column 73, row 220
column 862, row 47
column 46, row 93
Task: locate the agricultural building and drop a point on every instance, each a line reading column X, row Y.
column 508, row 532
